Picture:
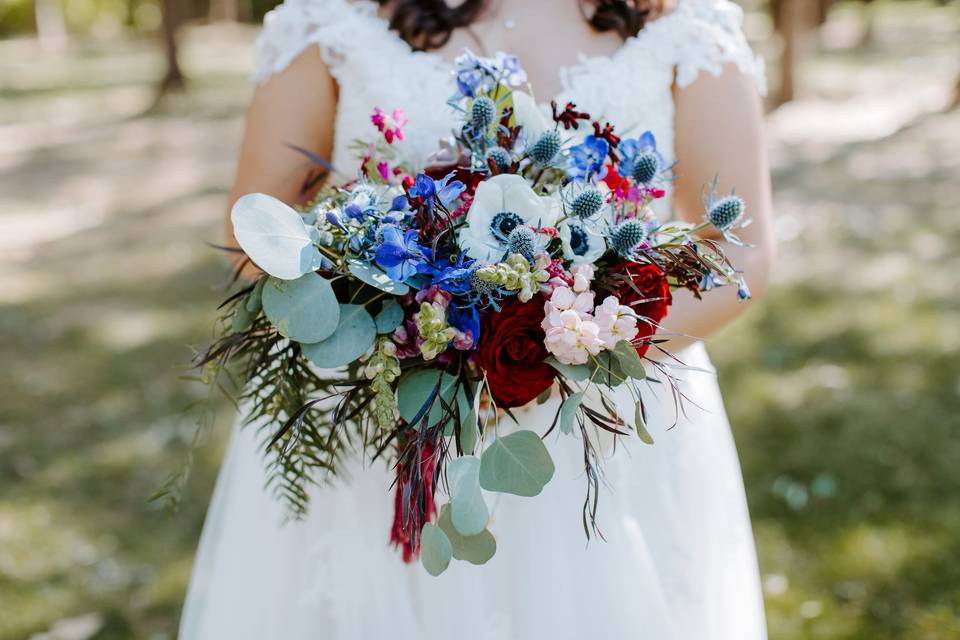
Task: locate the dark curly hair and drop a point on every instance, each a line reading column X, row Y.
column 427, row 24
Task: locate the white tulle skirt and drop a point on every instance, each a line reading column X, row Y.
column 678, row 561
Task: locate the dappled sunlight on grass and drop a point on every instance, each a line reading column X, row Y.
column 843, row 385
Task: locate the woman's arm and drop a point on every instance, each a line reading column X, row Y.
column 719, row 125
column 296, row 106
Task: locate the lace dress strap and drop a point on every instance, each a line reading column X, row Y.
column 704, row 35
column 334, row 25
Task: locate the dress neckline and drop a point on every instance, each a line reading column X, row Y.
column 371, row 8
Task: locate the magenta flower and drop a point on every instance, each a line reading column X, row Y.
column 390, row 125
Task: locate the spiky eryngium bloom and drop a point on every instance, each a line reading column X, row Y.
column 383, row 368
column 546, row 148
column 500, row 156
column 587, row 204
column 517, row 274
column 523, row 240
column 646, row 167
column 726, row 212
column 434, row 330
column 627, row 236
column 482, row 112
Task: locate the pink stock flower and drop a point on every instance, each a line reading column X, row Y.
column 571, row 339
column 616, row 322
column 390, row 125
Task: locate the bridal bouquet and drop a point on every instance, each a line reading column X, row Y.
column 405, row 313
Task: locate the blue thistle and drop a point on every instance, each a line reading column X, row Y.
column 726, row 212
column 587, row 204
column 627, row 236
column 523, row 240
column 546, row 148
column 646, row 166
column 500, row 156
column 482, row 112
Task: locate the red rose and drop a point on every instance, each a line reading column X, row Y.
column 511, row 352
column 644, row 288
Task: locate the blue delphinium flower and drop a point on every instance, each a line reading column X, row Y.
column 632, row 149
column 453, row 277
column 586, row 160
column 399, row 254
column 465, row 318
column 446, row 190
column 475, row 74
column 510, row 71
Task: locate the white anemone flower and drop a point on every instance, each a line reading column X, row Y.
column 582, row 243
column 500, row 205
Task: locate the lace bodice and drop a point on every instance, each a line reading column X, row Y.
column 374, row 67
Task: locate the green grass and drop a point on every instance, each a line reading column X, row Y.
column 843, row 385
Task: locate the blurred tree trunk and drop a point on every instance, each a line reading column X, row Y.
column 866, row 36
column 223, row 10
column 173, row 79
column 51, row 27
column 792, row 19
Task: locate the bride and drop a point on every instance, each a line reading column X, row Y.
column 678, row 559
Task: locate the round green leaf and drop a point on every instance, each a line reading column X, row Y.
column 518, row 463
column 476, row 549
column 274, row 236
column 255, row 299
column 575, row 372
column 305, row 310
column 415, row 388
column 435, row 549
column 390, row 317
column 376, row 278
column 242, row 318
column 355, row 334
column 568, row 411
column 467, row 508
column 630, row 362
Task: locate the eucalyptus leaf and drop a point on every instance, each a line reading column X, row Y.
column 476, row 549
column 305, row 310
column 415, row 389
column 469, row 429
column 607, row 370
column 242, row 318
column 355, row 334
column 467, row 508
column 517, row 463
column 435, row 549
column 568, row 411
column 376, row 278
column 390, row 317
column 629, row 360
column 641, row 425
column 254, row 301
column 274, row 236
column 575, row 372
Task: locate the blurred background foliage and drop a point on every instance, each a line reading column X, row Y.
column 843, row 386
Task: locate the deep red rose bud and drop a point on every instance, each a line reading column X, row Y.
column 511, row 352
column 645, row 290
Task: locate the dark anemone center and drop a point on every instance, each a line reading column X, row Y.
column 503, row 223
column 579, row 242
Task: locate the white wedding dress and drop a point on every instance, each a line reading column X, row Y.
column 678, row 562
